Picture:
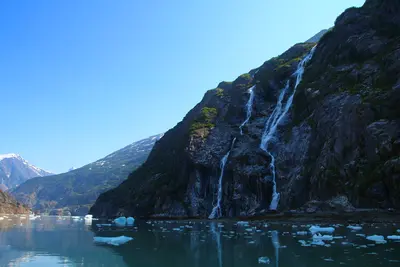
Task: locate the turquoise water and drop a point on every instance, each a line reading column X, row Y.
column 56, row 241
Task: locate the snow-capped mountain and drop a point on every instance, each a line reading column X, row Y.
column 77, row 189
column 15, row 170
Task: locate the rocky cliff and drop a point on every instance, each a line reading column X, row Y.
column 9, row 205
column 338, row 145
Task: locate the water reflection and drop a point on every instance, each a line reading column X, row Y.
column 67, row 242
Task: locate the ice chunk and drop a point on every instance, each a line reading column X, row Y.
column 398, row 231
column 322, row 237
column 242, row 223
column 362, row 235
column 103, row 224
column 88, row 217
column 114, row 241
column 263, row 260
column 377, row 239
column 394, row 237
column 304, row 243
column 317, row 229
column 302, row 233
column 318, row 243
column 120, row 221
column 354, row 227
column 130, row 221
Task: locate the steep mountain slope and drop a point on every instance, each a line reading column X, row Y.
column 8, row 205
column 79, row 188
column 14, row 170
column 336, row 146
column 317, row 37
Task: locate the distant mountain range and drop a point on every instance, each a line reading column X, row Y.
column 75, row 191
column 15, row 170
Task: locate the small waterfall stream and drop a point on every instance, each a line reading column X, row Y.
column 217, row 211
column 249, row 107
column 276, row 118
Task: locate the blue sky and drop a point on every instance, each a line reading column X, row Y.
column 81, row 79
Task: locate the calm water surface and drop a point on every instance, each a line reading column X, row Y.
column 56, row 241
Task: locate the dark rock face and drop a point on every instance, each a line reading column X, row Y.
column 337, row 149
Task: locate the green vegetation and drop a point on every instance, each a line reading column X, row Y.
column 246, row 76
column 205, row 120
column 220, row 92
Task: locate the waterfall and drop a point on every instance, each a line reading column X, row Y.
column 216, row 211
column 217, row 237
column 249, row 107
column 277, row 245
column 276, row 118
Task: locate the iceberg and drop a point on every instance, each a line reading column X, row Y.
column 317, row 229
column 354, row 227
column 88, row 217
column 377, row 239
column 322, row 237
column 114, row 241
column 130, row 221
column 394, row 237
column 120, row 221
column 263, row 260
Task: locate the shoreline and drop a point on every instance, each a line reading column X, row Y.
column 361, row 216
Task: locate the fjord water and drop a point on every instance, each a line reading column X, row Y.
column 62, row 241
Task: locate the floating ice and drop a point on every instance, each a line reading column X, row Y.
column 394, row 237
column 398, row 231
column 263, row 260
column 354, row 227
column 338, row 237
column 322, row 237
column 302, row 233
column 114, row 241
column 379, row 239
column 317, row 229
column 121, row 221
column 362, row 235
column 304, row 243
column 104, row 224
column 318, row 243
column 130, row 221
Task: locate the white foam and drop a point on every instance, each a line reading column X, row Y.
column 114, row 241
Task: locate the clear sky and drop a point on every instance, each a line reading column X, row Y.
column 81, row 79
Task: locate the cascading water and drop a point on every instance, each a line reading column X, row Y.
column 249, row 107
column 275, row 119
column 216, row 211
